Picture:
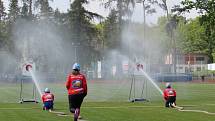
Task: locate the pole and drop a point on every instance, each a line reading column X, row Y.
column 75, row 53
column 20, row 96
column 144, row 19
column 33, row 92
column 143, row 88
column 75, row 45
column 132, row 80
column 144, row 37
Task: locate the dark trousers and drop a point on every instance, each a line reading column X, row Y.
column 48, row 105
column 75, row 101
column 170, row 101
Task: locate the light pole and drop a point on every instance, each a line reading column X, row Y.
column 144, row 39
column 76, row 45
column 75, row 53
column 144, row 17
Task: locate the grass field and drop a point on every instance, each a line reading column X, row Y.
column 109, row 102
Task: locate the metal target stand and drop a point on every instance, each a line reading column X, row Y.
column 27, row 78
column 132, row 95
column 34, row 94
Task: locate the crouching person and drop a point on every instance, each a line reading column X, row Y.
column 169, row 95
column 48, row 100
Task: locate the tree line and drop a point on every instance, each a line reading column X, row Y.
column 176, row 33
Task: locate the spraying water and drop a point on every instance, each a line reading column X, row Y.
column 149, row 78
column 35, row 81
column 152, row 81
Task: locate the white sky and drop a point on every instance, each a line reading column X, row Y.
column 95, row 6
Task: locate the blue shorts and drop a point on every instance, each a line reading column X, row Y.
column 48, row 105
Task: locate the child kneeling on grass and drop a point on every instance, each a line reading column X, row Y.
column 48, row 100
column 169, row 95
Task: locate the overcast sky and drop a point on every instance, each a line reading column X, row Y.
column 95, row 6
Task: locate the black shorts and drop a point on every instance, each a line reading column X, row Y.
column 170, row 101
column 75, row 101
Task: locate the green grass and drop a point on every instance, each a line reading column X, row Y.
column 108, row 102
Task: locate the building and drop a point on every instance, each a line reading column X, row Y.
column 186, row 63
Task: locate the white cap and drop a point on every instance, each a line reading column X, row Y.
column 47, row 90
column 168, row 85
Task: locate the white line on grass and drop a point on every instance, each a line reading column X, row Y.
column 116, row 107
column 210, row 104
column 100, row 107
column 17, row 108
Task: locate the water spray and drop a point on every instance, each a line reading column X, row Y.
column 152, row 81
column 139, row 68
column 29, row 69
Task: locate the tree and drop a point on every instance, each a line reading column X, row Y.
column 13, row 10
column 207, row 19
column 2, row 11
column 122, row 9
column 30, row 2
column 6, row 25
column 164, row 6
column 2, row 25
column 171, row 25
column 111, row 32
column 80, row 20
column 44, row 7
column 192, row 37
column 26, row 9
column 83, row 31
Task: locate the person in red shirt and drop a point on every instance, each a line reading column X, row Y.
column 77, row 89
column 48, row 100
column 169, row 96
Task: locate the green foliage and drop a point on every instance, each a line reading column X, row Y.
column 14, row 11
column 207, row 20
column 83, row 32
column 3, row 36
column 3, row 28
column 45, row 9
column 203, row 73
column 192, row 37
column 2, row 11
column 166, row 29
column 75, row 25
column 24, row 10
column 80, row 24
column 111, row 31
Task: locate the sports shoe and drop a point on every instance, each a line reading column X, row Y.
column 76, row 114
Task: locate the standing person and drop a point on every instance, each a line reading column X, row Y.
column 77, row 89
column 203, row 78
column 48, row 100
column 169, row 95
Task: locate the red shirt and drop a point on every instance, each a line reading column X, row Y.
column 168, row 92
column 76, row 84
column 47, row 97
